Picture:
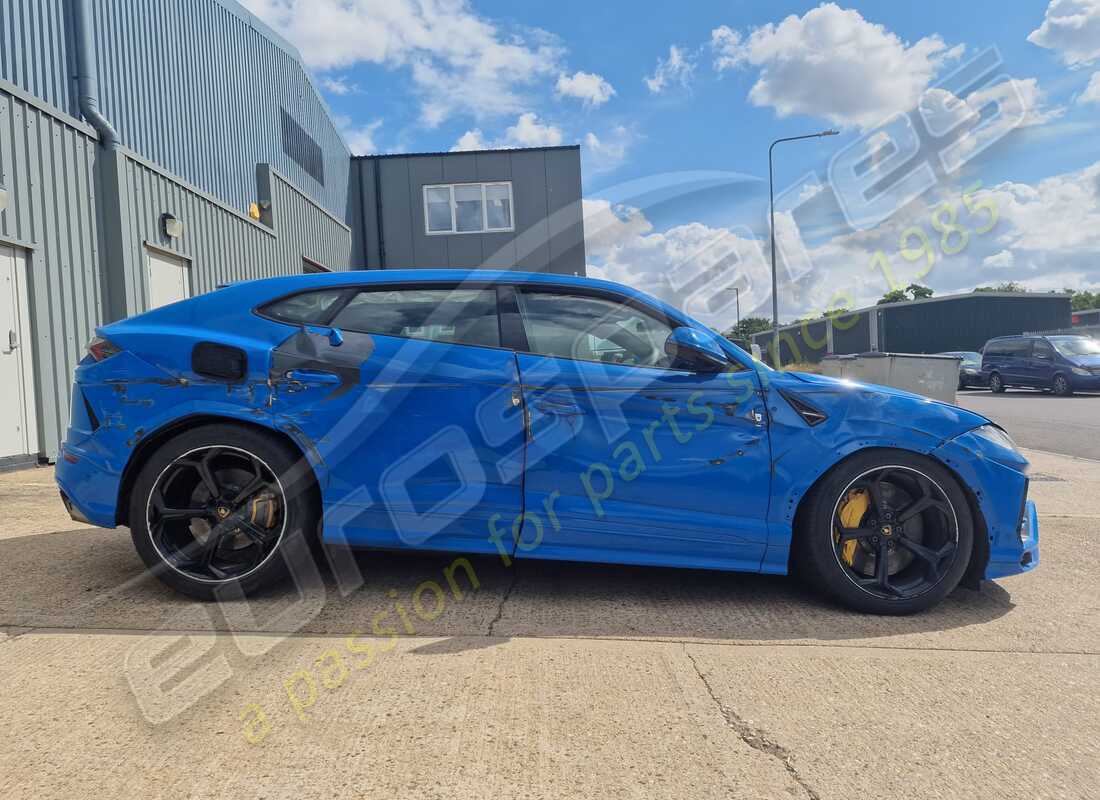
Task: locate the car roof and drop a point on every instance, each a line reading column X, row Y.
column 367, row 276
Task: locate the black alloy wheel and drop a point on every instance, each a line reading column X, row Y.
column 906, row 540
column 216, row 513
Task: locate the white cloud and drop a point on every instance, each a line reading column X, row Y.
column 1046, row 236
column 604, row 153
column 677, row 68
column 527, row 132
column 471, row 140
column 1005, row 259
column 591, row 89
column 1072, row 29
column 1092, row 91
column 460, row 63
column 359, row 138
column 337, row 84
column 834, row 64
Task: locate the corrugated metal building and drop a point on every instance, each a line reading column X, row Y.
column 931, row 325
column 153, row 149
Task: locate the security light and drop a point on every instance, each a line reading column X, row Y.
column 171, row 226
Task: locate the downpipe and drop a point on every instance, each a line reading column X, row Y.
column 87, row 83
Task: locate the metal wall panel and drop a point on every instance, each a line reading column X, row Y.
column 47, row 167
column 37, row 52
column 852, row 333
column 196, row 87
column 546, row 192
column 967, row 323
column 222, row 244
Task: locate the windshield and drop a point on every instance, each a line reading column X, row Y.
column 1075, row 345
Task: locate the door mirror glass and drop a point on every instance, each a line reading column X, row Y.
column 694, row 350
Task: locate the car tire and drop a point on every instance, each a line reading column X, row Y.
column 246, row 546
column 1060, row 385
column 996, row 385
column 818, row 555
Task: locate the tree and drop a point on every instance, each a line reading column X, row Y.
column 1007, row 286
column 1081, row 300
column 748, row 326
column 913, row 291
column 894, row 296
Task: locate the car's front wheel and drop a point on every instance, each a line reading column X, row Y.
column 1061, row 386
column 996, row 384
column 218, row 507
column 886, row 532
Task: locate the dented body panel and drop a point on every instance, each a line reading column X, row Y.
column 431, row 445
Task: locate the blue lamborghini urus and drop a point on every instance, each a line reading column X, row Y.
column 527, row 416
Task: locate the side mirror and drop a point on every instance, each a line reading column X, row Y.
column 694, row 350
column 335, row 338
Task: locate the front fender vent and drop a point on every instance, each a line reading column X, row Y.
column 810, row 415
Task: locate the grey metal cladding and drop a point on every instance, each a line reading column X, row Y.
column 563, row 190
column 47, row 166
column 37, row 52
column 198, row 89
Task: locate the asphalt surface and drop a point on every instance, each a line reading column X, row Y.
column 1068, row 425
column 549, row 680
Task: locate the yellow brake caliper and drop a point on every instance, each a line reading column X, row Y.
column 853, row 508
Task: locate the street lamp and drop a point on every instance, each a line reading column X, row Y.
column 771, row 197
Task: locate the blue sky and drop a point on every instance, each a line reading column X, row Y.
column 675, row 111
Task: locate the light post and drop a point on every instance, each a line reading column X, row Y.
column 771, row 206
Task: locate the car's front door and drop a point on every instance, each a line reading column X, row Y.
column 413, row 407
column 630, row 459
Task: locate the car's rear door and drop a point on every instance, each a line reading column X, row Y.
column 629, row 460
column 415, row 413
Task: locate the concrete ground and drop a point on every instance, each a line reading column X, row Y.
column 549, row 680
column 1069, row 425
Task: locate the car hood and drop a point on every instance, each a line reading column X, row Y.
column 881, row 409
column 1084, row 361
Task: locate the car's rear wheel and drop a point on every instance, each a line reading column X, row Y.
column 1061, row 386
column 996, row 385
column 886, row 532
column 215, row 510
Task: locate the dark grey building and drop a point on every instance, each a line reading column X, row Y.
column 932, row 325
column 507, row 209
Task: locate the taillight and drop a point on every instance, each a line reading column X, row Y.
column 101, row 349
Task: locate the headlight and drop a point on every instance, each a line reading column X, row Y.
column 1080, row 371
column 991, row 433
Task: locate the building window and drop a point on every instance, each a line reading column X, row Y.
column 468, row 208
column 301, row 148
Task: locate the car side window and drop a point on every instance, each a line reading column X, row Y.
column 592, row 329
column 1043, row 349
column 458, row 316
column 304, row 308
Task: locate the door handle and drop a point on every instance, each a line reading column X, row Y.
column 313, row 376
column 561, row 409
column 13, row 341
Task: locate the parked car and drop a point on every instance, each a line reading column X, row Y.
column 970, row 368
column 1062, row 364
column 525, row 416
